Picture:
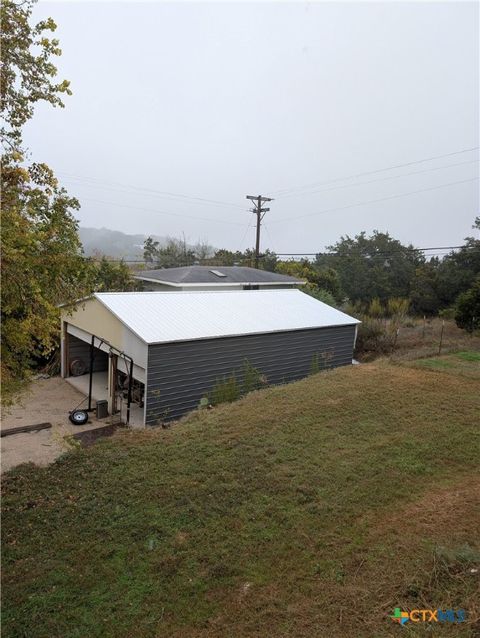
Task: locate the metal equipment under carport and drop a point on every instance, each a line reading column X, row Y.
column 80, row 416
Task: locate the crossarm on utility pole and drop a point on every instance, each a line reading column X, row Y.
column 257, row 201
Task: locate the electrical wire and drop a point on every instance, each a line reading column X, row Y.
column 163, row 212
column 380, row 179
column 169, row 194
column 373, row 201
column 439, row 250
column 282, row 191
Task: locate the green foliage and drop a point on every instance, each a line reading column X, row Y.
column 317, row 278
column 447, row 313
column 252, row 379
column 375, row 308
column 374, row 337
column 467, row 313
column 42, row 264
column 28, row 75
column 113, row 276
column 177, row 253
column 369, row 267
column 320, row 294
column 398, row 307
column 223, row 257
column 225, row 390
column 314, row 365
column 438, row 283
column 228, row 389
column 174, row 254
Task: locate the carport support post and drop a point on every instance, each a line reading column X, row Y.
column 129, row 394
column 112, row 380
column 90, row 380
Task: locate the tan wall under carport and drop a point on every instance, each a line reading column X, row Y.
column 92, row 316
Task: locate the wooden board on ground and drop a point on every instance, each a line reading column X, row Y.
column 25, row 428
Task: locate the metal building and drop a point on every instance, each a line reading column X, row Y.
column 182, row 343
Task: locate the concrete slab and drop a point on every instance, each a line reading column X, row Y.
column 46, row 400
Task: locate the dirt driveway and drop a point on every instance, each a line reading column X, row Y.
column 45, row 400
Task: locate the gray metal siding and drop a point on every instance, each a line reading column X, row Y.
column 180, row 374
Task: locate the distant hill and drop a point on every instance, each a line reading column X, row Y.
column 113, row 243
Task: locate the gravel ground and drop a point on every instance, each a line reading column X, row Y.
column 45, row 400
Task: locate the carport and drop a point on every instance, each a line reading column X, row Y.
column 98, row 365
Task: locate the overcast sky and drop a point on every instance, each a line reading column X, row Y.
column 222, row 100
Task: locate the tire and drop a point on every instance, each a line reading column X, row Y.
column 77, row 367
column 78, row 417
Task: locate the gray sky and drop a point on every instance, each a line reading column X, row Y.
column 221, row 100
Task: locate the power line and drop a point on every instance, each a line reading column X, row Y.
column 270, row 237
column 245, row 234
column 380, row 179
column 374, row 201
column 283, row 191
column 149, row 190
column 383, row 254
column 403, row 249
column 163, row 212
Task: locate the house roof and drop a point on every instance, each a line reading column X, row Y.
column 163, row 317
column 220, row 275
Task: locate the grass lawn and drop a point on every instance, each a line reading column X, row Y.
column 307, row 510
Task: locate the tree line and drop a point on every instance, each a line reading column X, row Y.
column 357, row 270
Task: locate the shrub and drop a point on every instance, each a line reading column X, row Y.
column 375, row 309
column 314, row 366
column 467, row 314
column 320, row 294
column 252, row 379
column 397, row 307
column 374, row 337
column 225, row 390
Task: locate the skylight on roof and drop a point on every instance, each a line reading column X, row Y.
column 218, row 273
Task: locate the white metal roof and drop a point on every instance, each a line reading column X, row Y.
column 161, row 317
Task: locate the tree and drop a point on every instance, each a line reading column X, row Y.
column 42, row 262
column 203, row 251
column 424, row 289
column 150, row 249
column 319, row 293
column 467, row 314
column 376, row 266
column 320, row 278
column 458, row 271
column 113, row 276
column 175, row 253
column 27, row 71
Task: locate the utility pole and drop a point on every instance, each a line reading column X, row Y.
column 257, row 201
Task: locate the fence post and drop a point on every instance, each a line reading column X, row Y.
column 441, row 337
column 424, row 324
column 395, row 339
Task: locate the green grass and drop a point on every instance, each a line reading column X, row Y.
column 310, row 509
column 464, row 363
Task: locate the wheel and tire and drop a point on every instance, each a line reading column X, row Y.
column 78, row 417
column 78, row 367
